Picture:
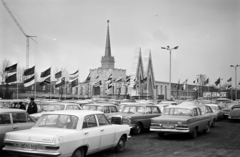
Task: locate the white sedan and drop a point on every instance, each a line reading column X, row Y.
column 73, row 133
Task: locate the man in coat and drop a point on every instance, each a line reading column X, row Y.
column 32, row 107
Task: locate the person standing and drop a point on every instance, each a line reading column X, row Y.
column 32, row 107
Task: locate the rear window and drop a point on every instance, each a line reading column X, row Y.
column 177, row 111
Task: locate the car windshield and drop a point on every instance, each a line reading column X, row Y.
column 236, row 108
column 134, row 109
column 57, row 121
column 89, row 107
column 214, row 108
column 52, row 107
column 177, row 111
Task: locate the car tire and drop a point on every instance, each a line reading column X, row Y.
column 194, row 133
column 121, row 144
column 160, row 134
column 137, row 129
column 207, row 130
column 78, row 153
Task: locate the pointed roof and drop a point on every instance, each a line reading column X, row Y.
column 108, row 46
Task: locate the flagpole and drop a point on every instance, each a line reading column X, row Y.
column 17, row 81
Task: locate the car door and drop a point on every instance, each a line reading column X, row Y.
column 202, row 119
column 107, row 132
column 21, row 121
column 5, row 125
column 91, row 133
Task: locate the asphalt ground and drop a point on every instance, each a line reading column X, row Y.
column 222, row 141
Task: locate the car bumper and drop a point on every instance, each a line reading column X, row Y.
column 171, row 130
column 233, row 117
column 30, row 152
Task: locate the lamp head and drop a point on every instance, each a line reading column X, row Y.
column 176, row 47
column 163, row 47
column 231, row 66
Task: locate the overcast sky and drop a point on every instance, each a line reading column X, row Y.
column 71, row 34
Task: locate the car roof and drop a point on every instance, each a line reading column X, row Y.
column 138, row 104
column 211, row 104
column 167, row 102
column 6, row 110
column 62, row 103
column 79, row 113
column 99, row 104
column 183, row 106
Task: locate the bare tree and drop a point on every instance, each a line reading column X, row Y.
column 3, row 74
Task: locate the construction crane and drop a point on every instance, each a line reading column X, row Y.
column 27, row 36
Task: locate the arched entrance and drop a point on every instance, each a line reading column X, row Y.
column 96, row 91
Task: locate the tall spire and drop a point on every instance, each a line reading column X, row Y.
column 108, row 46
column 108, row 60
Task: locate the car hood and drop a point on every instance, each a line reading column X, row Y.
column 235, row 113
column 45, row 135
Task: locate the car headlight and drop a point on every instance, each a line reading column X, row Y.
column 58, row 140
column 6, row 136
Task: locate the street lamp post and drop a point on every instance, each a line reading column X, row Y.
column 235, row 79
column 170, row 51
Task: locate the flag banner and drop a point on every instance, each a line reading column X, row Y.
column 12, row 68
column 46, row 81
column 195, row 88
column 206, row 82
column 229, row 87
column 217, row 82
column 60, row 82
column 194, row 81
column 144, row 80
column 46, row 73
column 230, row 79
column 88, row 78
column 178, row 85
column 97, row 77
column 71, row 78
column 75, row 73
column 58, row 75
column 119, row 79
column 12, row 78
column 110, row 85
column 29, row 71
column 110, row 77
column 185, row 81
column 30, row 81
column 74, row 83
column 97, row 84
column 128, row 78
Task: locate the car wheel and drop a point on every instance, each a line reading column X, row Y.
column 207, row 130
column 161, row 134
column 121, row 144
column 138, row 129
column 194, row 133
column 78, row 153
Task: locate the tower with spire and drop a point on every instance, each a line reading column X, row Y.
column 107, row 60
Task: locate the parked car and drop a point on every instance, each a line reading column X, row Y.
column 13, row 120
column 181, row 119
column 216, row 109
column 103, row 107
column 164, row 104
column 227, row 108
column 68, row 133
column 55, row 106
column 136, row 115
column 223, row 101
column 235, row 112
column 13, row 103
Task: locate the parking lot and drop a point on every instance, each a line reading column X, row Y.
column 222, row 141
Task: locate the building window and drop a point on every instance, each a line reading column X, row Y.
column 161, row 90
column 165, row 92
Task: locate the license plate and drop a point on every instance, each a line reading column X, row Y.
column 29, row 145
column 168, row 126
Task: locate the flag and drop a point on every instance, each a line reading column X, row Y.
column 73, row 76
column 144, row 80
column 30, row 81
column 12, row 68
column 230, row 79
column 110, row 85
column 178, row 85
column 195, row 88
column 29, row 71
column 88, row 78
column 185, row 81
column 197, row 80
column 119, row 79
column 58, row 75
column 97, row 77
column 74, row 83
column 60, row 82
column 229, row 87
column 110, row 77
column 12, row 78
column 46, row 73
column 45, row 81
column 194, row 81
column 206, row 82
column 97, row 84
column 128, row 78
column 239, row 84
column 217, row 82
